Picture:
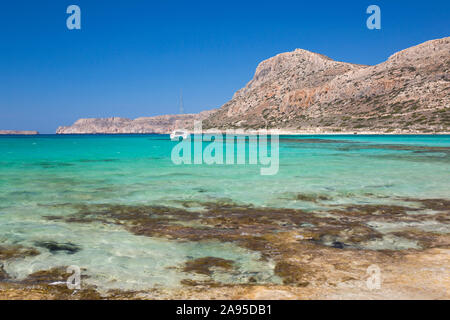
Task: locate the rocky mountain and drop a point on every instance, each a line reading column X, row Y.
column 159, row 124
column 305, row 91
column 18, row 132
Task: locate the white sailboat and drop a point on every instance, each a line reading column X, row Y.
column 179, row 134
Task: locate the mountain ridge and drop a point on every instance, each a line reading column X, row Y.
column 410, row 90
column 303, row 91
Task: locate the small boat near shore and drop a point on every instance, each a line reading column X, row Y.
column 179, row 133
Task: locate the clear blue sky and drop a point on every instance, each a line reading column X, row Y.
column 131, row 58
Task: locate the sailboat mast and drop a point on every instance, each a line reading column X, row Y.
column 181, row 102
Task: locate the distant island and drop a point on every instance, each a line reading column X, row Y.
column 305, row 92
column 18, row 132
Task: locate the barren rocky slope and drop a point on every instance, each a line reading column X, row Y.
column 159, row 124
column 301, row 90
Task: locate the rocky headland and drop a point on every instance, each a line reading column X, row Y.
column 306, row 92
column 159, row 124
column 18, row 132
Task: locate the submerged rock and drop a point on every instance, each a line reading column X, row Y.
column 55, row 247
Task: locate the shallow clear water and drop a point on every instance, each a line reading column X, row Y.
column 49, row 175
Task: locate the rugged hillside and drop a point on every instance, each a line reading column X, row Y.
column 158, row 124
column 301, row 90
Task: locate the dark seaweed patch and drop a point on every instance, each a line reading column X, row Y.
column 292, row 274
column 374, row 210
column 55, row 247
column 3, row 275
column 423, row 238
column 313, row 140
column 50, row 165
column 205, row 283
column 98, row 160
column 16, row 251
column 416, row 149
column 291, row 238
column 433, row 204
column 59, row 275
column 312, row 197
column 204, row 265
column 255, row 227
column 424, row 157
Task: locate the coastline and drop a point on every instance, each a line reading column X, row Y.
column 18, row 133
column 343, row 133
column 279, row 132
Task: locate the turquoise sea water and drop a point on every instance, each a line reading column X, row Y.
column 43, row 176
